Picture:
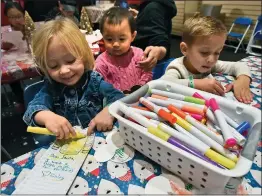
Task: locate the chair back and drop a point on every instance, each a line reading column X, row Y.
column 31, row 90
column 243, row 21
column 210, row 10
column 160, row 68
column 258, row 28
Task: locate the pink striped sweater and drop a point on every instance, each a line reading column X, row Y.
column 123, row 72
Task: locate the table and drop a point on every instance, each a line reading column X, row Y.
column 96, row 12
column 17, row 64
column 97, row 176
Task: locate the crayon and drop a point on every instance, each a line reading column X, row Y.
column 178, row 97
column 180, row 144
column 45, row 131
column 230, row 141
column 215, row 136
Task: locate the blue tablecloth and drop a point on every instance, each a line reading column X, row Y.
column 94, row 176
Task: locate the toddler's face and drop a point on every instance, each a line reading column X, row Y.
column 118, row 38
column 204, row 52
column 62, row 66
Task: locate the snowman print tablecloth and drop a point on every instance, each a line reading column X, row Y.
column 131, row 176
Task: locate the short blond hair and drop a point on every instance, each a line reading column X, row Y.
column 70, row 37
column 201, row 26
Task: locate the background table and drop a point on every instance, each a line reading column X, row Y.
column 17, row 64
column 101, row 176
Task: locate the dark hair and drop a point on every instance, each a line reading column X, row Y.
column 11, row 4
column 115, row 16
column 68, row 2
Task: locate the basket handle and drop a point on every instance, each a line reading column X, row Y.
column 134, row 97
column 250, row 147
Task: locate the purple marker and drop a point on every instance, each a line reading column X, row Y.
column 198, row 154
column 176, row 142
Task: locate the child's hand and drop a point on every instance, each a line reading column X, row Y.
column 103, row 121
column 209, row 85
column 59, row 125
column 241, row 89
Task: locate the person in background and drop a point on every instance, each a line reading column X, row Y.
column 65, row 8
column 154, row 25
column 119, row 63
column 203, row 39
column 72, row 94
column 15, row 14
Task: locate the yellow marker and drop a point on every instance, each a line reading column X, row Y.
column 45, row 131
column 220, row 159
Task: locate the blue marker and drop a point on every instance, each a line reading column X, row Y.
column 243, row 127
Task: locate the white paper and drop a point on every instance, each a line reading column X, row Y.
column 55, row 172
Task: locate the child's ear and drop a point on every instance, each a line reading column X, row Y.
column 134, row 35
column 183, row 48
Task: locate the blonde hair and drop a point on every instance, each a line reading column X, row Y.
column 69, row 35
column 201, row 26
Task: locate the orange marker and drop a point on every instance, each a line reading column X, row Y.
column 158, row 110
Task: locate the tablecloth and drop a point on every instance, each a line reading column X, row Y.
column 107, row 178
column 18, row 64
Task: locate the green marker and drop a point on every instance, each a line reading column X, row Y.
column 178, row 97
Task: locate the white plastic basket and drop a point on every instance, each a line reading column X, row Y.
column 203, row 175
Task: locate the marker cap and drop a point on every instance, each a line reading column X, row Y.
column 177, row 111
column 167, row 116
column 213, row 104
column 231, row 142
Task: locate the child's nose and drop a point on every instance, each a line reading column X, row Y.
column 64, row 70
column 116, row 44
column 210, row 59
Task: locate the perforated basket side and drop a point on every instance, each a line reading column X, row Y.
column 201, row 177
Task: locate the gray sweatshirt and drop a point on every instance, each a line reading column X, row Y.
column 177, row 72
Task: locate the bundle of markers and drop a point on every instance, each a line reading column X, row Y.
column 193, row 124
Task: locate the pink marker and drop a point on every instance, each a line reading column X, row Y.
column 198, row 117
column 230, row 141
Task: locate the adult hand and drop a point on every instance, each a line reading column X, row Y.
column 151, row 55
column 134, row 12
column 209, row 85
column 103, row 121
